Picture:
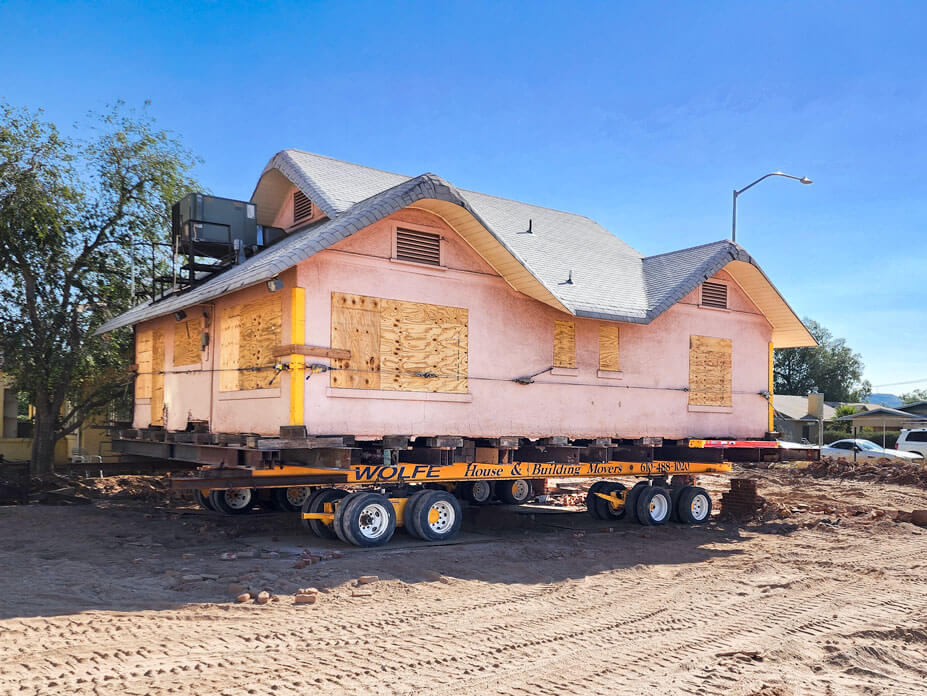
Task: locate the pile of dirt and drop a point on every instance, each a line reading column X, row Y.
column 59, row 489
column 882, row 471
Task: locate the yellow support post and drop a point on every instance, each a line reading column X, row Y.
column 770, row 410
column 297, row 362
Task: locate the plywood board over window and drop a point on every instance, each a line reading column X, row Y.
column 157, row 377
column 356, row 327
column 248, row 334
column 187, row 341
column 709, row 371
column 143, row 360
column 564, row 344
column 423, row 347
column 399, row 346
column 608, row 347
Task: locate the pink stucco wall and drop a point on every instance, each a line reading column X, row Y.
column 191, row 392
column 510, row 335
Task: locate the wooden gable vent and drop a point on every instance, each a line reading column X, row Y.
column 714, row 295
column 302, row 207
column 420, row 247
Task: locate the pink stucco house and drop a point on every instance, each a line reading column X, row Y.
column 398, row 305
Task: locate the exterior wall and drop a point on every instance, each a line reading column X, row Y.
column 511, row 335
column 191, row 392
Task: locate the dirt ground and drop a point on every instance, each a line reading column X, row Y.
column 127, row 597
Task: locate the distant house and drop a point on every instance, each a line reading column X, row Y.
column 918, row 408
column 793, row 419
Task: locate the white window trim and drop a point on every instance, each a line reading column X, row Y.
column 394, row 230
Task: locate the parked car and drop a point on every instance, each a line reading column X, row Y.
column 913, row 440
column 867, row 451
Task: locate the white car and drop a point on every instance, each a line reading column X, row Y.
column 867, row 451
column 913, row 441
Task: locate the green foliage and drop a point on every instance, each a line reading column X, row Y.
column 914, row 396
column 74, row 213
column 845, row 410
column 831, row 368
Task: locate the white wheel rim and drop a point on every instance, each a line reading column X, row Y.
column 373, row 521
column 520, row 489
column 238, row 498
column 658, row 508
column 297, row 495
column 699, row 507
column 481, row 491
column 445, row 519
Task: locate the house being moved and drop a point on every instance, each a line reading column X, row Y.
column 397, row 305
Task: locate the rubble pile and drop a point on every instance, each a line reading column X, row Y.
column 882, row 471
column 59, row 489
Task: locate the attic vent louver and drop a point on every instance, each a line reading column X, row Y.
column 420, row 247
column 302, row 207
column 714, row 295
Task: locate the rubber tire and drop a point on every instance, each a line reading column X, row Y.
column 630, row 502
column 316, row 503
column 282, row 502
column 217, row 499
column 338, row 525
column 418, row 515
column 408, row 518
column 467, row 492
column 505, row 493
column 644, row 515
column 591, row 507
column 602, row 509
column 203, row 500
column 684, row 505
column 350, row 518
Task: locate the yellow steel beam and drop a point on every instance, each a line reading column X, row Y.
column 297, row 361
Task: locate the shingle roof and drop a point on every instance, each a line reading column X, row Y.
column 609, row 279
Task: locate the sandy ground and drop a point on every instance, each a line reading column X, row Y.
column 832, row 600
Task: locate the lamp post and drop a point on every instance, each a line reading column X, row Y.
column 803, row 180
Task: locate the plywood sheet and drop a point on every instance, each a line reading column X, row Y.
column 157, row 377
column 261, row 330
column 143, row 360
column 229, row 333
column 356, row 327
column 423, row 347
column 564, row 344
column 187, row 338
column 710, row 382
column 608, row 347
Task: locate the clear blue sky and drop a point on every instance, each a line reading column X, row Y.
column 641, row 115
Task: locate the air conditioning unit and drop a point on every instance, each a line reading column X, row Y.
column 214, row 227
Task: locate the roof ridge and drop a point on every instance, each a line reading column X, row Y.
column 479, row 193
column 692, row 248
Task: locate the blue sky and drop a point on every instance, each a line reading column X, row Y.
column 643, row 116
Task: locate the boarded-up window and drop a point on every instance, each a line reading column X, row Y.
column 714, row 295
column 356, row 327
column 187, row 340
column 420, row 247
column 608, row 347
column 400, row 346
column 564, row 344
column 143, row 360
column 157, row 377
column 302, row 207
column 248, row 334
column 709, row 371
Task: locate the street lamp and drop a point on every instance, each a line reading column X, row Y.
column 802, row 180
